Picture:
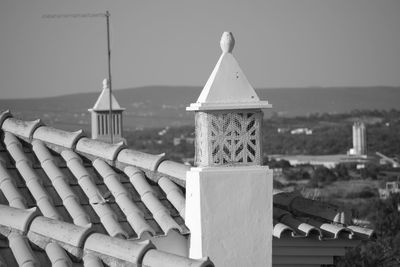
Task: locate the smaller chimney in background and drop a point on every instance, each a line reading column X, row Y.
column 100, row 118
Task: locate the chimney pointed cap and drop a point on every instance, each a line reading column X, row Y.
column 103, row 102
column 227, row 87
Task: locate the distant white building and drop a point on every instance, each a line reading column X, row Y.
column 387, row 160
column 305, row 131
column 282, row 130
column 359, row 140
column 179, row 140
column 328, row 161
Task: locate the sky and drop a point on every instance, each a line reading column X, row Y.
column 279, row 43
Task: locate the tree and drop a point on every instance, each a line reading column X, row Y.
column 385, row 250
column 342, row 172
column 273, row 163
column 322, row 176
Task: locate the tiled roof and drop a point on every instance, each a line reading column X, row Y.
column 61, row 191
column 296, row 216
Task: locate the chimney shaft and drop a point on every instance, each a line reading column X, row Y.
column 229, row 193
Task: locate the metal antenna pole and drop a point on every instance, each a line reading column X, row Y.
column 111, row 124
column 93, row 15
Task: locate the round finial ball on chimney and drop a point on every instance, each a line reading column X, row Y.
column 227, row 42
column 106, row 84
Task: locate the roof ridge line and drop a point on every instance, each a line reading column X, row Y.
column 77, row 141
column 23, row 129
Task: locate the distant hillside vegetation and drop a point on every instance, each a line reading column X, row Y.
column 155, row 106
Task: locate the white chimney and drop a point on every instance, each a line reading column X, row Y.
column 229, row 192
column 100, row 117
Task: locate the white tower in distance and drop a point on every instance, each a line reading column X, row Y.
column 359, row 140
column 101, row 117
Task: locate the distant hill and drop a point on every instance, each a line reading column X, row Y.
column 158, row 106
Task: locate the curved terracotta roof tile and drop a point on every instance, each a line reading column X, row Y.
column 281, row 230
column 96, row 200
column 159, row 211
column 133, row 214
column 7, row 186
column 113, row 250
column 300, row 228
column 22, row 251
column 57, row 137
column 131, row 157
column 33, row 182
column 174, row 194
column 362, row 232
column 306, row 229
column 60, row 232
column 331, row 231
column 60, row 184
column 18, row 219
column 21, row 128
column 90, row 260
column 57, row 256
column 174, row 170
column 97, row 149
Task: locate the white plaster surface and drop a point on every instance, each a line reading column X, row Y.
column 229, row 214
column 227, row 83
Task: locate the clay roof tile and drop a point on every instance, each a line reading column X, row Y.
column 97, row 149
column 59, row 231
column 57, row 137
column 111, row 250
column 174, row 171
column 18, row 219
column 21, row 128
column 160, row 212
column 130, row 157
column 174, row 194
column 133, row 214
column 96, row 199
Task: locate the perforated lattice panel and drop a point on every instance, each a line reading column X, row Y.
column 224, row 138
